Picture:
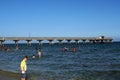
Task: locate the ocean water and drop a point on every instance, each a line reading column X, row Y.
column 89, row 62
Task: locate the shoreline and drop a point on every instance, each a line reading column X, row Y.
column 7, row 75
column 111, row 75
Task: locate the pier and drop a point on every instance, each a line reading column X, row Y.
column 60, row 40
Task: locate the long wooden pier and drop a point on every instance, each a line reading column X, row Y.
column 40, row 40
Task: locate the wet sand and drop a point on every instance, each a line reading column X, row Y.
column 5, row 75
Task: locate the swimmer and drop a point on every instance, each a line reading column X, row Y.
column 33, row 56
column 73, row 49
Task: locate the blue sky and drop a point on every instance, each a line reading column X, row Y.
column 60, row 18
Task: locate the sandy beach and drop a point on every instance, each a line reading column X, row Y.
column 5, row 75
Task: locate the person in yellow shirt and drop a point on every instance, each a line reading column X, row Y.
column 23, row 68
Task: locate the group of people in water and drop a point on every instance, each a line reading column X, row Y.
column 39, row 54
column 7, row 49
column 65, row 49
column 23, row 65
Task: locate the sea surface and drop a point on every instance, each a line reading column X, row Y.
column 89, row 62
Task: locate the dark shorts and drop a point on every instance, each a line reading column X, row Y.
column 23, row 75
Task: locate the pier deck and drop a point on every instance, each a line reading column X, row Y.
column 59, row 39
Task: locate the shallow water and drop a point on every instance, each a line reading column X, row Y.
column 89, row 62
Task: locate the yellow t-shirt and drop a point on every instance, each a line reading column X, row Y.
column 23, row 65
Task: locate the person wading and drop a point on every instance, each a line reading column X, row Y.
column 23, row 68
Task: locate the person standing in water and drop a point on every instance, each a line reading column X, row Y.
column 23, row 68
column 39, row 54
